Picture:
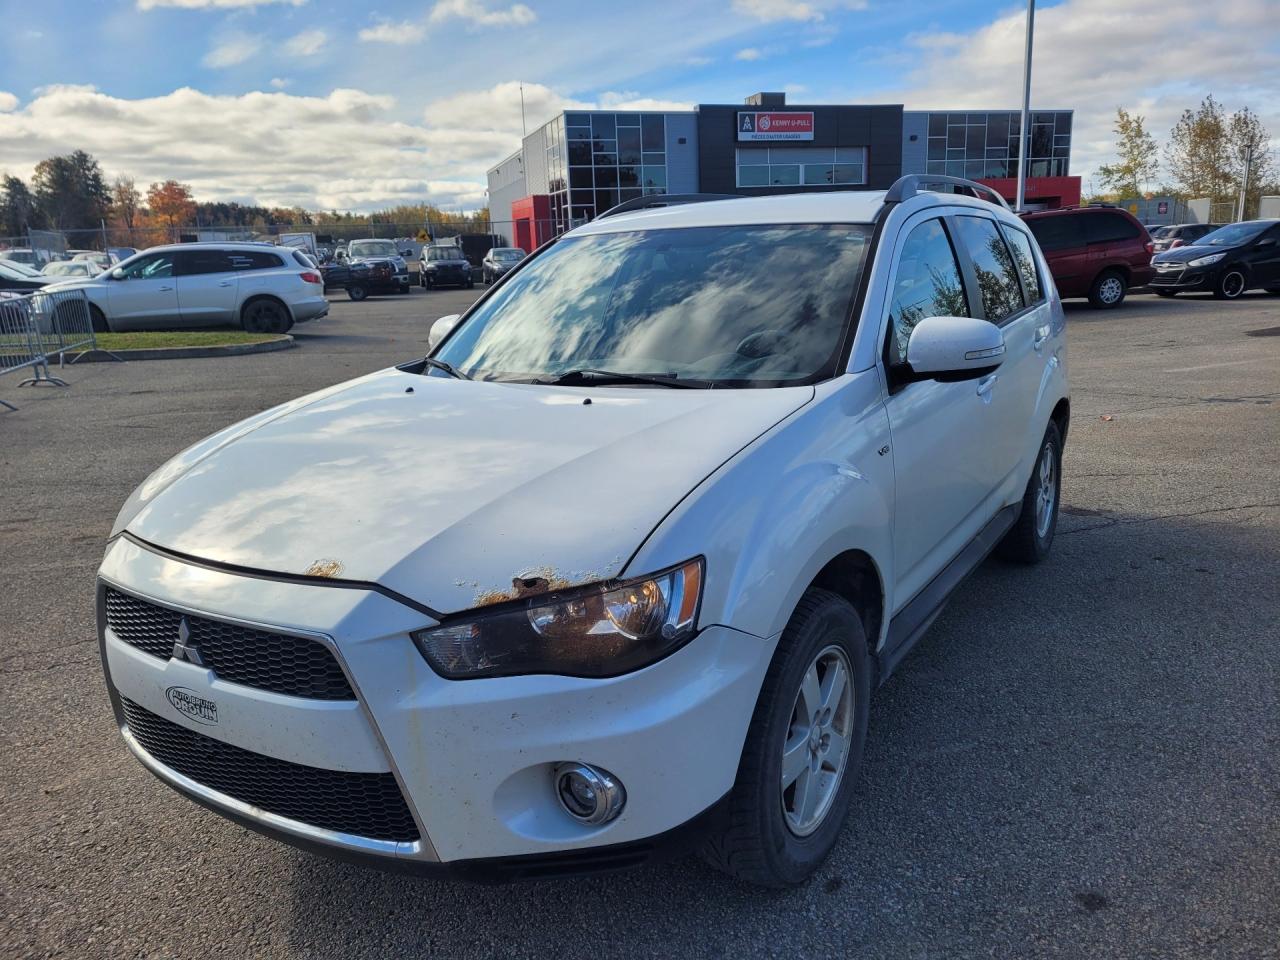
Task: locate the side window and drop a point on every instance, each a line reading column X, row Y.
column 1025, row 258
column 196, row 262
column 254, row 260
column 997, row 276
column 1108, row 228
column 1057, row 232
column 927, row 284
column 156, row 266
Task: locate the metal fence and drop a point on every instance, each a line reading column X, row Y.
column 35, row 327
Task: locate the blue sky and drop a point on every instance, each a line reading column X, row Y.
column 352, row 104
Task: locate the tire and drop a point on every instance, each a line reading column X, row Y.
column 1166, row 293
column 471, row 284
column 422, row 280
column 265, row 316
column 1231, row 284
column 98, row 319
column 760, row 838
column 1029, row 539
column 403, row 289
column 1108, row 290
column 358, row 292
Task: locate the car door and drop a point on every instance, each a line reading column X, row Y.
column 207, row 283
column 144, row 293
column 942, row 433
column 1001, row 265
column 1264, row 259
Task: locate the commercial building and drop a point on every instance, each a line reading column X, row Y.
column 581, row 163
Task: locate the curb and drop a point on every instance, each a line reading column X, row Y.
column 283, row 342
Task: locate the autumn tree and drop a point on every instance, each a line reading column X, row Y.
column 126, row 202
column 71, row 191
column 18, row 210
column 1137, row 160
column 1245, row 132
column 171, row 204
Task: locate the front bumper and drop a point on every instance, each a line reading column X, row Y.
column 1183, row 278
column 473, row 758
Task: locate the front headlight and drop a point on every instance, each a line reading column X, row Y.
column 1207, row 261
column 599, row 631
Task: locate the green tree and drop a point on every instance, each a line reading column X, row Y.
column 1246, row 132
column 1137, row 161
column 18, row 210
column 71, row 191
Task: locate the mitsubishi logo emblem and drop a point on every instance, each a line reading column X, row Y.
column 184, row 649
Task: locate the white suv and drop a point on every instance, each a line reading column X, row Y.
column 256, row 286
column 621, row 563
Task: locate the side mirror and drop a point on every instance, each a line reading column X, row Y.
column 954, row 348
column 440, row 329
column 1267, row 242
column 117, row 274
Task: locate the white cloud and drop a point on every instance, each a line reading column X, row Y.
column 7, row 101
column 279, row 83
column 233, row 50
column 478, row 13
column 401, row 34
column 748, row 53
column 306, row 44
column 1084, row 60
column 772, row 10
column 212, row 4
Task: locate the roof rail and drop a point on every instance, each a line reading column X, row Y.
column 664, row 200
column 904, row 188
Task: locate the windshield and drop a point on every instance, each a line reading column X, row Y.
column 10, row 272
column 1234, row 235
column 21, row 268
column 508, row 254
column 1161, row 232
column 373, row 248
column 73, row 268
column 444, row 253
column 742, row 306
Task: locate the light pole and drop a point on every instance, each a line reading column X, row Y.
column 1024, row 132
column 1244, row 184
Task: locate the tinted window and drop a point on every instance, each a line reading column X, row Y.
column 304, row 258
column 195, row 262
column 1235, row 234
column 1057, row 232
column 150, row 267
column 1109, row 228
column 927, row 284
column 997, row 276
column 750, row 305
column 1024, row 257
column 254, row 260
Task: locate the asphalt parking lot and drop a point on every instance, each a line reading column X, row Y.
column 1081, row 759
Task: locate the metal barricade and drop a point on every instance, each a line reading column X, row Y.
column 63, row 321
column 36, row 326
column 19, row 346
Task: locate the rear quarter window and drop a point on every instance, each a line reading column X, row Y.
column 255, row 260
column 1060, row 232
column 1109, row 228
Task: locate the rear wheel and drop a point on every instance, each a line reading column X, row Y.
column 804, row 746
column 1029, row 539
column 358, row 291
column 1108, row 290
column 1230, row 285
column 265, row 316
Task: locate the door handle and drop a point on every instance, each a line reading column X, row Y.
column 1041, row 335
column 164, row 289
column 985, row 385
column 224, row 283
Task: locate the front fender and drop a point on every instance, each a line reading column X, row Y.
column 768, row 520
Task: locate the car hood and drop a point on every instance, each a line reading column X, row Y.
column 444, row 490
column 1192, row 252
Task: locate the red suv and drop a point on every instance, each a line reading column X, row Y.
column 1097, row 252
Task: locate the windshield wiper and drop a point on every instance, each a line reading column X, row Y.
column 447, row 367
column 570, row 377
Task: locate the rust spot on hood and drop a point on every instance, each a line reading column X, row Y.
column 324, row 568
column 534, row 583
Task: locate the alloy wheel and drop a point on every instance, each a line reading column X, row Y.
column 1047, row 491
column 1110, row 290
column 816, row 748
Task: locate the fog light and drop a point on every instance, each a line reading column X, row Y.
column 589, row 794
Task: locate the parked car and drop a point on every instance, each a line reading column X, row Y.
column 1226, row 262
column 444, row 265
column 1180, row 235
column 544, row 601
column 498, row 261
column 32, row 258
column 72, row 268
column 262, row 289
column 372, row 267
column 1098, row 252
column 104, row 260
column 23, row 268
column 13, row 278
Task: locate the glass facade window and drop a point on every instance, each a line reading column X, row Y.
column 801, row 166
column 613, row 157
column 985, row 145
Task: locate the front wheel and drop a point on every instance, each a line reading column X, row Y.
column 803, row 749
column 1108, row 290
column 1230, row 285
column 98, row 319
column 1029, row 539
column 358, row 291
